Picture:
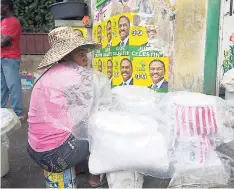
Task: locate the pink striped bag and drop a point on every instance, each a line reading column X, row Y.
column 196, row 121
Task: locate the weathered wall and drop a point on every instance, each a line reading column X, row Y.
column 188, row 65
column 187, row 46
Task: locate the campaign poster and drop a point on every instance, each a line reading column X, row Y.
column 81, row 31
column 107, row 66
column 131, row 54
column 123, row 71
column 151, row 72
column 138, row 36
column 121, row 26
column 99, row 3
column 98, row 64
column 98, row 33
column 108, row 33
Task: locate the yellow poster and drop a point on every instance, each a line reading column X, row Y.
column 81, row 31
column 123, row 71
column 107, row 33
column 98, row 33
column 98, row 64
column 151, row 72
column 121, row 26
column 105, row 62
column 106, row 66
column 138, row 36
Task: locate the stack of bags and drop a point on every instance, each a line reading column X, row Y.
column 198, row 125
column 127, row 136
column 171, row 135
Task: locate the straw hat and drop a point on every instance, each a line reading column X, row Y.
column 64, row 40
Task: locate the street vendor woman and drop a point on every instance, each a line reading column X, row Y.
column 60, row 104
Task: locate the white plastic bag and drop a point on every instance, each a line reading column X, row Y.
column 228, row 80
column 9, row 121
column 146, row 132
column 135, row 99
column 123, row 141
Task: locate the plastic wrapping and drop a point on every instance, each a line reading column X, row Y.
column 146, row 100
column 125, row 179
column 190, row 127
column 9, row 121
column 136, row 137
column 228, row 80
column 71, row 103
column 100, row 97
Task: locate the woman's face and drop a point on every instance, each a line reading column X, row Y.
column 80, row 57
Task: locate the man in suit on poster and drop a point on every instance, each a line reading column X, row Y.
column 99, row 34
column 157, row 72
column 109, row 34
column 126, row 72
column 110, row 70
column 124, row 29
column 99, row 65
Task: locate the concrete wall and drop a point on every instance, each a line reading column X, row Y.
column 189, row 55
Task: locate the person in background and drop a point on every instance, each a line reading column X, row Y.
column 126, row 71
column 60, row 104
column 110, row 70
column 109, row 34
column 10, row 59
column 157, row 72
column 124, row 29
column 99, row 65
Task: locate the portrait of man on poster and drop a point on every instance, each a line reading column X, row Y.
column 110, row 70
column 124, row 29
column 109, row 34
column 99, row 34
column 157, row 72
column 99, row 65
column 126, row 72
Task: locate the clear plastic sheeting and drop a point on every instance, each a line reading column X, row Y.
column 196, row 163
column 228, row 80
column 68, row 105
column 174, row 135
column 96, row 95
column 135, row 100
column 9, row 121
column 124, row 137
column 5, row 141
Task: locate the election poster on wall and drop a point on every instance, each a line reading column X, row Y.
column 81, row 31
column 134, row 42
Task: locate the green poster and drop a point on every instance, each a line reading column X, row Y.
column 100, row 2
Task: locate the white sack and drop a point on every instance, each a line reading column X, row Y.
column 123, row 141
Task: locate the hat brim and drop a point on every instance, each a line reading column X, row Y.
column 61, row 49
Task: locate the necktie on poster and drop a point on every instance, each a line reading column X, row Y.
column 155, row 86
column 122, row 44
